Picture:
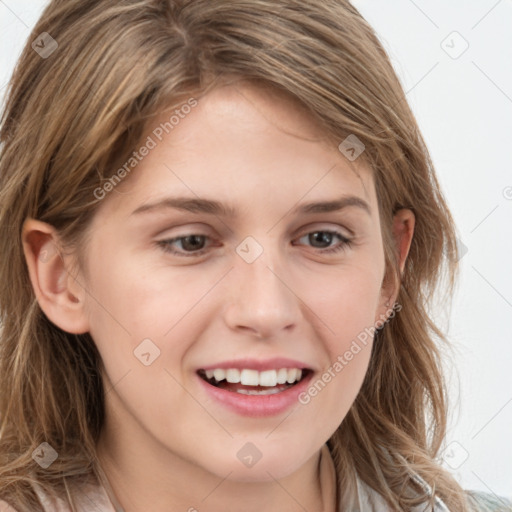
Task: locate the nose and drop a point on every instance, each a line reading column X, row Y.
column 262, row 301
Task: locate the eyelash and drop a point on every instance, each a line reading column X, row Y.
column 166, row 244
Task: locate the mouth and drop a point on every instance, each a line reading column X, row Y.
column 248, row 381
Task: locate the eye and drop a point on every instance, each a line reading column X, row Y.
column 326, row 237
column 192, row 245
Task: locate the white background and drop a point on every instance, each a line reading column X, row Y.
column 464, row 108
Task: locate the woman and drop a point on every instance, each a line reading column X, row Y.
column 224, row 232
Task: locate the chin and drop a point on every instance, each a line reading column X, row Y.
column 266, row 465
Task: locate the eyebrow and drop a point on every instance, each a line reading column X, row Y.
column 212, row 207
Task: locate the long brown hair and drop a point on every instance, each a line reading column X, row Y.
column 73, row 117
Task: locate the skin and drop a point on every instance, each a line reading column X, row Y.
column 165, row 442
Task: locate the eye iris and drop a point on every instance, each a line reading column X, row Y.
column 195, row 244
column 323, row 236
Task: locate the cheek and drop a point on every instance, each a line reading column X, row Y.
column 345, row 303
column 332, row 392
column 136, row 311
column 143, row 321
column 346, row 300
column 347, row 312
column 134, row 298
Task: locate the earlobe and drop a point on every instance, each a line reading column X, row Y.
column 58, row 293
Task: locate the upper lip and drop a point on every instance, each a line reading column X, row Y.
column 258, row 364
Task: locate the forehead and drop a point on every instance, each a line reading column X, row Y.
column 242, row 142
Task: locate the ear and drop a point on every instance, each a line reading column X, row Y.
column 403, row 231
column 58, row 293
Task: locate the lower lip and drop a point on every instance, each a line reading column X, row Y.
column 258, row 405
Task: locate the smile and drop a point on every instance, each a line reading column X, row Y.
column 253, row 382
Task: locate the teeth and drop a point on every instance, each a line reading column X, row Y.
column 258, row 392
column 293, row 375
column 219, row 375
column 267, row 378
column 282, row 375
column 249, row 377
column 233, row 375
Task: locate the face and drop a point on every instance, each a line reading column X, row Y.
column 182, row 295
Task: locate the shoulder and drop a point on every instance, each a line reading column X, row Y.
column 487, row 502
column 90, row 495
column 5, row 507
